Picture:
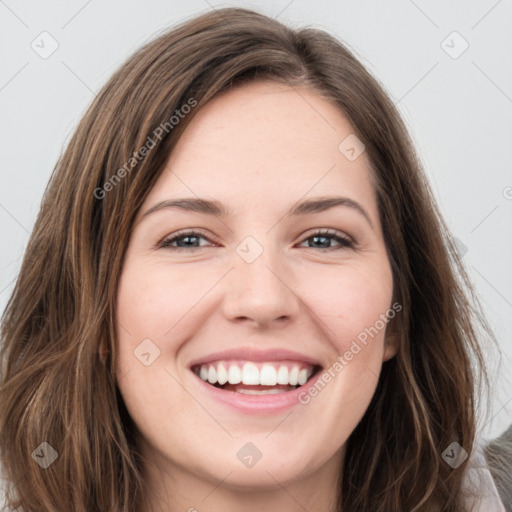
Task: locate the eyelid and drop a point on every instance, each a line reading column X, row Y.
column 328, row 231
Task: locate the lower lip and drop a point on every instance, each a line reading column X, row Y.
column 257, row 403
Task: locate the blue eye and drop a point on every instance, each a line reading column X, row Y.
column 326, row 236
column 184, row 239
column 190, row 239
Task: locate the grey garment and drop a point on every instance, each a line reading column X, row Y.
column 499, row 460
column 479, row 485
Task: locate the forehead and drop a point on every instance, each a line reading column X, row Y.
column 265, row 143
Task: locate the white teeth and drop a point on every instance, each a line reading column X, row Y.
column 270, row 374
column 212, row 375
column 294, row 376
column 222, row 374
column 283, row 375
column 250, row 374
column 234, row 374
column 260, row 391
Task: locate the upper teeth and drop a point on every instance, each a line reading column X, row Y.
column 249, row 373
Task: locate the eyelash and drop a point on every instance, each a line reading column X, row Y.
column 344, row 242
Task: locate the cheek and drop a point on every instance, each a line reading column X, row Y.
column 354, row 316
column 148, row 307
column 152, row 301
column 351, row 302
column 354, row 321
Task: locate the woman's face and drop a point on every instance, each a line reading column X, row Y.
column 255, row 294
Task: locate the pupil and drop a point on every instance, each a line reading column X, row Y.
column 187, row 238
column 316, row 238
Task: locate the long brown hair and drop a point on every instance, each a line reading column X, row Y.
column 56, row 388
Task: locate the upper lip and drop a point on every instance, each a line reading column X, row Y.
column 251, row 354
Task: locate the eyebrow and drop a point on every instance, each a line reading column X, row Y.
column 213, row 207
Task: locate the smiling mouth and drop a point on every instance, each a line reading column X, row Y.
column 256, row 378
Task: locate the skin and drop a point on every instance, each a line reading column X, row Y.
column 258, row 149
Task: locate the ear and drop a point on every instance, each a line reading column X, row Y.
column 390, row 346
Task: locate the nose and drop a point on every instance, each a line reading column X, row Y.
column 261, row 292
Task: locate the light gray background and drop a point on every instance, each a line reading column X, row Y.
column 459, row 111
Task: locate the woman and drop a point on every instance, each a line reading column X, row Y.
column 239, row 292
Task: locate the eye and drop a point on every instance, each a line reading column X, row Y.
column 324, row 237
column 184, row 240
column 190, row 239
